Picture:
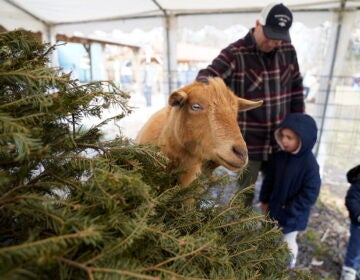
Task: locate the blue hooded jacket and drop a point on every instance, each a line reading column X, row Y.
column 352, row 199
column 292, row 182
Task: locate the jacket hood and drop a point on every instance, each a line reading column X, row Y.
column 304, row 126
column 353, row 174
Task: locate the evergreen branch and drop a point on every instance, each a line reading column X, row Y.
column 239, row 193
column 258, row 237
column 257, row 276
column 54, row 217
column 109, row 96
column 34, row 184
column 89, row 232
column 151, row 156
column 50, row 50
column 90, row 160
column 134, row 232
column 186, row 277
column 151, row 229
column 251, row 249
column 224, row 212
column 23, row 144
column 166, row 192
column 155, row 159
column 113, row 88
column 281, row 247
column 26, row 74
column 25, row 197
column 262, row 260
column 76, row 186
column 109, row 196
column 188, row 224
column 11, row 122
column 252, row 218
column 12, row 190
column 181, row 256
column 94, row 83
column 103, row 122
column 25, row 100
column 15, row 135
column 123, row 272
column 73, row 263
column 230, row 208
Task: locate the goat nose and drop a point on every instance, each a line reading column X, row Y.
column 240, row 151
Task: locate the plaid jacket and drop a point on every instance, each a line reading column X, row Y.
column 272, row 77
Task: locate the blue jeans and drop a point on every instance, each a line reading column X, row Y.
column 147, row 93
column 352, row 257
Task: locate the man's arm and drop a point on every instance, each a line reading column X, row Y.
column 297, row 99
column 221, row 66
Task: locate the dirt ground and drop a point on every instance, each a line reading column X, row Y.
column 322, row 246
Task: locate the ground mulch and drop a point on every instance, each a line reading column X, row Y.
column 322, row 246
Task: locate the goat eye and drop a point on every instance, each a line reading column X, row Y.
column 195, row 107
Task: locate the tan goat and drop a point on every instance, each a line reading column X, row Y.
column 199, row 126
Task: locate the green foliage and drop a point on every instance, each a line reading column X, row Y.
column 73, row 206
column 312, row 240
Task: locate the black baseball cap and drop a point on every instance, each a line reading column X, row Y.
column 276, row 20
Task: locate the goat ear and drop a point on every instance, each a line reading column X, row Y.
column 245, row 105
column 177, row 98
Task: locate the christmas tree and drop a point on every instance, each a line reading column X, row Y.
column 76, row 206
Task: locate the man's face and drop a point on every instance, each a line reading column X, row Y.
column 264, row 44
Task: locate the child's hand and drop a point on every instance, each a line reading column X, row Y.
column 264, row 208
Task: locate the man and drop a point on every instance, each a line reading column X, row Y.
column 262, row 65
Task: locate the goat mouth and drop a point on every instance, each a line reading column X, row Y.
column 229, row 163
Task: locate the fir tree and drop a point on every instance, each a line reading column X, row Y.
column 75, row 206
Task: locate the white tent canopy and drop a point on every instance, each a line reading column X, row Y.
column 86, row 16
column 70, row 16
column 75, row 12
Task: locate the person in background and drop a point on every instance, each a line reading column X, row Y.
column 292, row 184
column 126, row 75
column 262, row 65
column 151, row 79
column 352, row 201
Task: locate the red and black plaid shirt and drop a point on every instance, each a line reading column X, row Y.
column 272, row 77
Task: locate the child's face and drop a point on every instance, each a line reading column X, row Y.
column 289, row 139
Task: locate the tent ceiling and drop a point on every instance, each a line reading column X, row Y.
column 79, row 11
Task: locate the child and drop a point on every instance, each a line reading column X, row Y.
column 292, row 183
column 352, row 202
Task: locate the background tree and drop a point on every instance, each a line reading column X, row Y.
column 74, row 206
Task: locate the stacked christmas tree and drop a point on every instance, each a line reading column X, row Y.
column 74, row 206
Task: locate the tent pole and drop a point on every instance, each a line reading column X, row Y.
column 331, row 74
column 168, row 52
column 169, row 47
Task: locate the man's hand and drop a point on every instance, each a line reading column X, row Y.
column 264, row 208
